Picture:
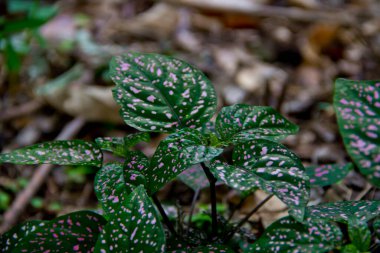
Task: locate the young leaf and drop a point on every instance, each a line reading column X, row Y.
column 175, row 154
column 134, row 227
column 324, row 175
column 113, row 184
column 274, row 169
column 359, row 234
column 349, row 248
column 194, row 177
column 74, row 232
column 240, row 123
column 75, row 152
column 362, row 210
column 288, row 235
column 120, row 145
column 357, row 105
column 161, row 94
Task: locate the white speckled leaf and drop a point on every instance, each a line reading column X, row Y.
column 113, row 184
column 288, row 235
column 276, row 170
column 120, row 145
column 74, row 232
column 327, row 174
column 75, row 152
column 161, row 94
column 357, row 105
column 135, row 227
column 363, row 210
column 175, row 154
column 359, row 234
column 240, row 123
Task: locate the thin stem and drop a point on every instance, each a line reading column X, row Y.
column 212, row 181
column 164, row 216
column 238, row 206
column 193, row 202
column 246, row 218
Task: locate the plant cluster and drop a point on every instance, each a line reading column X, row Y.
column 166, row 95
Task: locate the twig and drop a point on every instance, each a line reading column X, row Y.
column 246, row 218
column 237, row 207
column 192, row 208
column 20, row 110
column 164, row 216
column 250, row 8
column 212, row 181
column 23, row 198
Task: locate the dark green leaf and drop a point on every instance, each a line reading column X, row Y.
column 175, row 154
column 194, row 177
column 363, row 210
column 161, row 94
column 75, row 152
column 359, row 234
column 324, row 175
column 134, row 227
column 357, row 105
column 211, row 248
column 349, row 248
column 73, row 232
column 13, row 59
column 288, row 235
column 113, row 184
column 376, row 227
column 240, row 123
column 273, row 168
column 120, row 145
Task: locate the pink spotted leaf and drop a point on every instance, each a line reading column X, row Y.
column 134, row 227
column 357, row 106
column 74, row 232
column 75, row 152
column 327, row 174
column 113, row 184
column 175, row 154
column 121, row 145
column 214, row 248
column 343, row 211
column 240, row 123
column 194, row 177
column 161, row 94
column 288, row 235
column 273, row 168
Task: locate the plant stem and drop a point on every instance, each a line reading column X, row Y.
column 212, row 181
column 238, row 206
column 164, row 216
column 246, row 218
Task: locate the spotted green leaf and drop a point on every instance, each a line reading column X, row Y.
column 363, row 210
column 357, row 105
column 195, row 178
column 240, row 123
column 328, row 174
column 134, row 227
column 274, row 169
column 120, row 145
column 288, row 235
column 211, row 248
column 74, row 232
column 161, row 94
column 359, row 234
column 175, row 154
column 75, row 152
column 376, row 227
column 113, row 184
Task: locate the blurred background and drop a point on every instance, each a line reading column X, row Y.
column 54, row 81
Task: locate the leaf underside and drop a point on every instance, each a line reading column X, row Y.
column 357, row 105
column 195, row 178
column 134, row 226
column 288, row 235
column 160, row 94
column 75, row 152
